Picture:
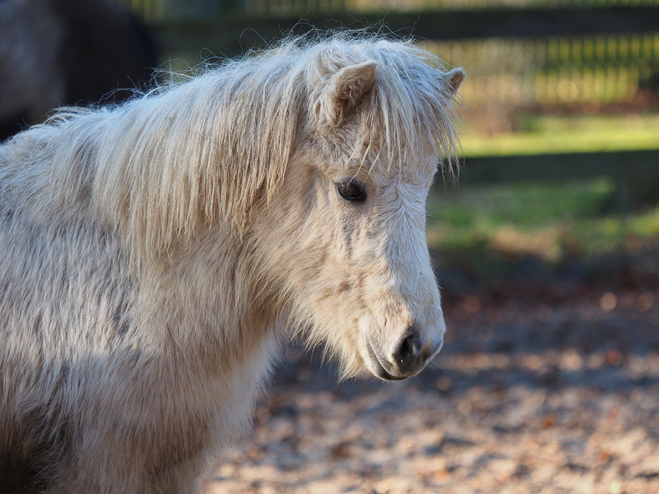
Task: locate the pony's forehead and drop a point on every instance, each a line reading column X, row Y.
column 368, row 156
column 405, row 116
column 378, row 169
column 366, row 159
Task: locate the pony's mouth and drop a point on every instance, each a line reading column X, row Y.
column 380, row 370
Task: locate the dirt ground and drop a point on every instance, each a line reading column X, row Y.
column 546, row 385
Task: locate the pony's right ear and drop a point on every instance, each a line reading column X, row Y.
column 344, row 92
column 452, row 80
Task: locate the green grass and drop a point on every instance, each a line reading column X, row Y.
column 545, row 220
column 520, row 204
column 550, row 134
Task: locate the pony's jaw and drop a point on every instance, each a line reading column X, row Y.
column 377, row 313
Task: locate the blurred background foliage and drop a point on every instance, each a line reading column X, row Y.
column 574, row 79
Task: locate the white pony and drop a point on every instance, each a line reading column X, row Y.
column 151, row 254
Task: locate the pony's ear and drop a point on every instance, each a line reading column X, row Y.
column 352, row 83
column 452, row 80
column 344, row 92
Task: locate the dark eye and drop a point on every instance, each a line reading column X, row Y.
column 352, row 190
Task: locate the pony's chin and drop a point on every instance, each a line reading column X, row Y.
column 384, row 375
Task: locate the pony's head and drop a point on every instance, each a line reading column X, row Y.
column 318, row 157
column 345, row 229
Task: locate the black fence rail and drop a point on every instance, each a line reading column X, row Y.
column 636, row 173
column 158, row 10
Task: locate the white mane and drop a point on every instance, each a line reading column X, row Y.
column 166, row 164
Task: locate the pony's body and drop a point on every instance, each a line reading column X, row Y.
column 150, row 253
column 74, row 361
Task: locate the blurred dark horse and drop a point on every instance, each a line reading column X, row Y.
column 65, row 52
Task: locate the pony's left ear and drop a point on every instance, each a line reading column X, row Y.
column 352, row 83
column 344, row 92
column 452, row 80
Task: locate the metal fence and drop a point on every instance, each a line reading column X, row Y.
column 557, row 70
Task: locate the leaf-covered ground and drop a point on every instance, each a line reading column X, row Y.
column 547, row 383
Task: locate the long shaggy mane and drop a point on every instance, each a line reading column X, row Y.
column 173, row 160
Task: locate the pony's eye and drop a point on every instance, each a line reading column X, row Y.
column 352, row 190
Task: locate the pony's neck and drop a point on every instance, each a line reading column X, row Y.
column 221, row 307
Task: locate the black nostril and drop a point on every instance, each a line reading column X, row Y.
column 408, row 351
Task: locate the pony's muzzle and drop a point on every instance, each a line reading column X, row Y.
column 412, row 354
column 408, row 358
